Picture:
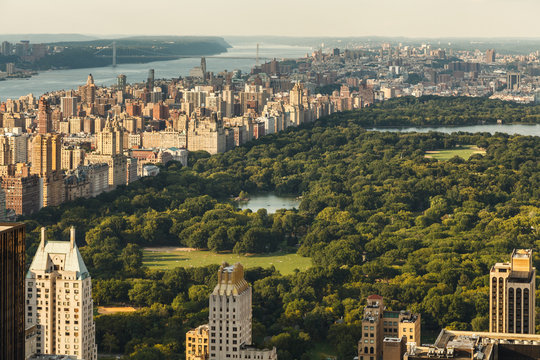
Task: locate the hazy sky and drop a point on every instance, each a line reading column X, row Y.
column 413, row 18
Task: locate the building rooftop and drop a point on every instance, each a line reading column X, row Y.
column 478, row 345
column 71, row 261
column 230, row 280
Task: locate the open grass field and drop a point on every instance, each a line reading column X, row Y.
column 463, row 151
column 168, row 258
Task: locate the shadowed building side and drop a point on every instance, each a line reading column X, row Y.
column 12, row 262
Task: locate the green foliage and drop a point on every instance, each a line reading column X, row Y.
column 376, row 216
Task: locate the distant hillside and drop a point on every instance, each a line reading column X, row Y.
column 139, row 49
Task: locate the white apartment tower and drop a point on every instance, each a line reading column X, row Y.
column 512, row 295
column 59, row 300
column 230, row 318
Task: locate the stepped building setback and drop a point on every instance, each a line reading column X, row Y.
column 230, row 321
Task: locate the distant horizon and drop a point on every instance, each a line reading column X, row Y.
column 303, row 18
column 110, row 35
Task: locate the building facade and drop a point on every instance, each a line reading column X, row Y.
column 23, row 190
column 512, row 290
column 230, row 318
column 380, row 325
column 206, row 134
column 197, row 343
column 12, row 262
column 59, row 298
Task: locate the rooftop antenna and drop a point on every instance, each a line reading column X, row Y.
column 114, row 54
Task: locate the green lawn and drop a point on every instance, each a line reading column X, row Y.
column 285, row 263
column 463, row 151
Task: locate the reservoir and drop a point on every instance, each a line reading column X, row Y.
column 511, row 129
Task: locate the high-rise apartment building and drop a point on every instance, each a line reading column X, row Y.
column 68, row 106
column 7, row 48
column 512, row 295
column 13, row 148
column 109, row 150
column 72, row 157
column 59, row 297
column 110, row 141
column 150, row 80
column 88, row 92
column 490, row 56
column 121, row 82
column 44, row 117
column 5, row 151
column 23, row 194
column 197, row 343
column 296, row 95
column 46, row 154
column 230, row 318
column 47, row 164
column 12, row 258
column 206, row 134
column 379, row 324
column 512, row 81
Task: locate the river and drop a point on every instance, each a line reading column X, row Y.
column 53, row 80
column 512, row 129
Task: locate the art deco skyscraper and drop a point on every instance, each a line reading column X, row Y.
column 59, row 294
column 512, row 295
column 230, row 318
column 12, row 328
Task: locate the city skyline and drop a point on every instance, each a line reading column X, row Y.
column 413, row 18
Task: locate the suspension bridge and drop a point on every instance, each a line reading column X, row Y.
column 142, row 53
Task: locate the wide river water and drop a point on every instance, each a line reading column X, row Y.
column 53, row 80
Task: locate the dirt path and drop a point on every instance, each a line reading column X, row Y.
column 168, row 249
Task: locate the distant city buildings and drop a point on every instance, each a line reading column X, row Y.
column 214, row 112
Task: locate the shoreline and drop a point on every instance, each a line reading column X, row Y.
column 172, row 58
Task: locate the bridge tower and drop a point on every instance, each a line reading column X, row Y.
column 114, row 54
column 257, row 56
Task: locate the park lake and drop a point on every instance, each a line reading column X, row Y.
column 270, row 201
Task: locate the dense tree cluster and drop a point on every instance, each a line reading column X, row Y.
column 376, row 216
column 433, row 110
